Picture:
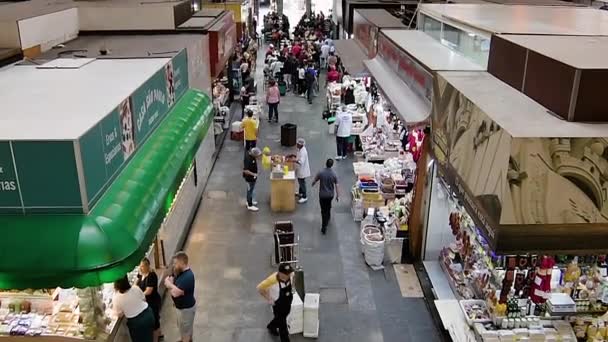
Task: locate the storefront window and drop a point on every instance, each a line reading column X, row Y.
column 431, row 26
column 451, row 37
column 471, row 45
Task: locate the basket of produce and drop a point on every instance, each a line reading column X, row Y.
column 475, row 311
column 371, row 196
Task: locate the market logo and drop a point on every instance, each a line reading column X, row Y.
column 154, row 96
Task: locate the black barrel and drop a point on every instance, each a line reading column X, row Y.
column 289, row 133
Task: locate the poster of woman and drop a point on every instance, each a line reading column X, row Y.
column 127, row 131
column 170, row 81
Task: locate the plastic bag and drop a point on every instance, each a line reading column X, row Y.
column 266, row 160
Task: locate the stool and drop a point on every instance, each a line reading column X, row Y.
column 311, row 315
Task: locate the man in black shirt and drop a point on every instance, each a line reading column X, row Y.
column 250, row 173
column 181, row 287
column 328, row 185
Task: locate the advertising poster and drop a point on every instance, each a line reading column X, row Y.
column 169, row 79
column 127, row 131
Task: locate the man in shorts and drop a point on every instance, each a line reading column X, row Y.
column 181, row 288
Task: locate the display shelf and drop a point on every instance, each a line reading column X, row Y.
column 450, row 279
column 439, row 280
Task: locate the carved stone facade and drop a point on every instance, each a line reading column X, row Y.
column 541, row 180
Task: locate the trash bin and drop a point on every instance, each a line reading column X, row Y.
column 289, row 133
column 282, row 88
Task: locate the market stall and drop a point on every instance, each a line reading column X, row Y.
column 282, row 184
column 344, row 13
column 225, row 77
column 352, row 57
column 241, row 13
column 403, row 72
column 367, row 24
column 99, row 207
column 515, row 238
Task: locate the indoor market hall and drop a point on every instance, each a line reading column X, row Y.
column 231, row 248
column 303, row 170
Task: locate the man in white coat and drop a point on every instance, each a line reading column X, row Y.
column 344, row 123
column 302, row 169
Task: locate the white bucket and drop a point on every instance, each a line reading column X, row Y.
column 331, row 128
column 236, row 127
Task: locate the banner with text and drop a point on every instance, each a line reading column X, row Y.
column 409, row 70
column 107, row 147
column 9, row 188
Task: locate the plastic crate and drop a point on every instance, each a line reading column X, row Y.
column 373, row 203
column 295, row 320
column 371, row 196
column 311, row 315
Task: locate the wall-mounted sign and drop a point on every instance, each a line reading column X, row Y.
column 409, row 70
column 70, row 176
column 108, row 145
column 9, row 187
column 362, row 31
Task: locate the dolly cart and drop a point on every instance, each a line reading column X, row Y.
column 286, row 244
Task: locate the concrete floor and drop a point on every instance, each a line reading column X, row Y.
column 230, row 251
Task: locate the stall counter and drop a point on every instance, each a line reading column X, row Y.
column 454, row 321
column 282, row 192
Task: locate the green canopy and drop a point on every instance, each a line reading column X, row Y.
column 46, row 251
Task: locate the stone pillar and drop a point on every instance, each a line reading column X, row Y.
column 308, row 7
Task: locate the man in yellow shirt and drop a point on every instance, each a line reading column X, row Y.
column 250, row 128
column 277, row 291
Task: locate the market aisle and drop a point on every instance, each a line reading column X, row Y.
column 230, row 252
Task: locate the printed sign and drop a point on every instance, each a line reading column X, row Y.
column 362, row 36
column 179, row 79
column 9, row 188
column 150, row 104
column 109, row 145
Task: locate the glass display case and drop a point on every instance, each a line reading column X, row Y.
column 471, row 44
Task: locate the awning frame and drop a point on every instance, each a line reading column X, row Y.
column 410, row 106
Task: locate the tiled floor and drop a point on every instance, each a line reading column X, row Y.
column 230, row 252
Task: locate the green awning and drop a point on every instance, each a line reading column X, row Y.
column 45, row 251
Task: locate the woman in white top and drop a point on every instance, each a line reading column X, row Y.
column 130, row 302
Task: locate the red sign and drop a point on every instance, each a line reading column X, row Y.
column 363, row 37
column 222, row 41
column 410, row 71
